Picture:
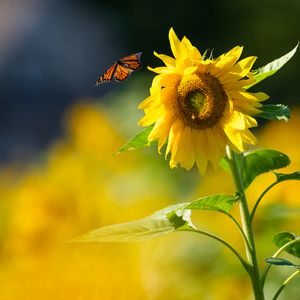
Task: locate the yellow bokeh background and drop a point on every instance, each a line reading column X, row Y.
column 78, row 185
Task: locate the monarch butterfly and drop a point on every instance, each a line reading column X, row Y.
column 121, row 69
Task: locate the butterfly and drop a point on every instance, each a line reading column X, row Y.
column 121, row 69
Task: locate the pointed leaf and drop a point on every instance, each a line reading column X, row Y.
column 144, row 229
column 275, row 112
column 292, row 176
column 169, row 219
column 140, row 140
column 156, row 225
column 221, row 203
column 261, row 161
column 281, row 262
column 282, row 238
column 271, row 68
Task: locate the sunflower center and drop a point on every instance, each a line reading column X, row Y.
column 201, row 100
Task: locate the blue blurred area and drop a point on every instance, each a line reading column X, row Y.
column 51, row 52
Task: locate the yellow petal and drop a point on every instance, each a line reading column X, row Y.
column 146, row 120
column 227, row 78
column 149, row 102
column 168, row 97
column 234, row 137
column 161, row 129
column 244, row 66
column 191, row 50
column 228, row 59
column 151, row 116
column 156, row 105
column 155, row 89
column 214, row 143
column 173, row 136
column 212, row 153
column 234, row 53
column 237, row 121
column 173, row 163
column 201, row 158
column 190, row 70
column 248, row 97
column 250, row 122
column 241, row 122
column 246, row 108
column 170, row 80
column 238, row 84
column 248, row 137
column 159, row 70
column 220, row 145
column 260, row 96
column 174, row 43
column 168, row 60
column 186, row 153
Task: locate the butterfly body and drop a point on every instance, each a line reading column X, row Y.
column 121, row 69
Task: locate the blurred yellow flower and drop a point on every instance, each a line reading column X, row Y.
column 200, row 105
column 72, row 191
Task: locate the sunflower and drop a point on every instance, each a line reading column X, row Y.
column 198, row 104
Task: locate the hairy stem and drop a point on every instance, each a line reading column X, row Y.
column 236, row 170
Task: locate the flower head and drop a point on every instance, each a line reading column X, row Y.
column 198, row 105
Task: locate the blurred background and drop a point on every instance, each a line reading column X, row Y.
column 58, row 178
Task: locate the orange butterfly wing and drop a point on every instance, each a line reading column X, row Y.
column 108, row 75
column 122, row 73
column 121, row 69
column 131, row 62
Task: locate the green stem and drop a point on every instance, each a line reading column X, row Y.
column 247, row 226
column 285, row 283
column 260, row 198
column 285, row 246
column 239, row 228
column 230, row 247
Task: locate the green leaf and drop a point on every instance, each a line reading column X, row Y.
column 169, row 219
column 282, row 238
column 272, row 67
column 275, row 112
column 140, row 230
column 140, row 140
column 281, row 262
column 221, row 203
column 260, row 161
column 292, row 176
column 156, row 225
